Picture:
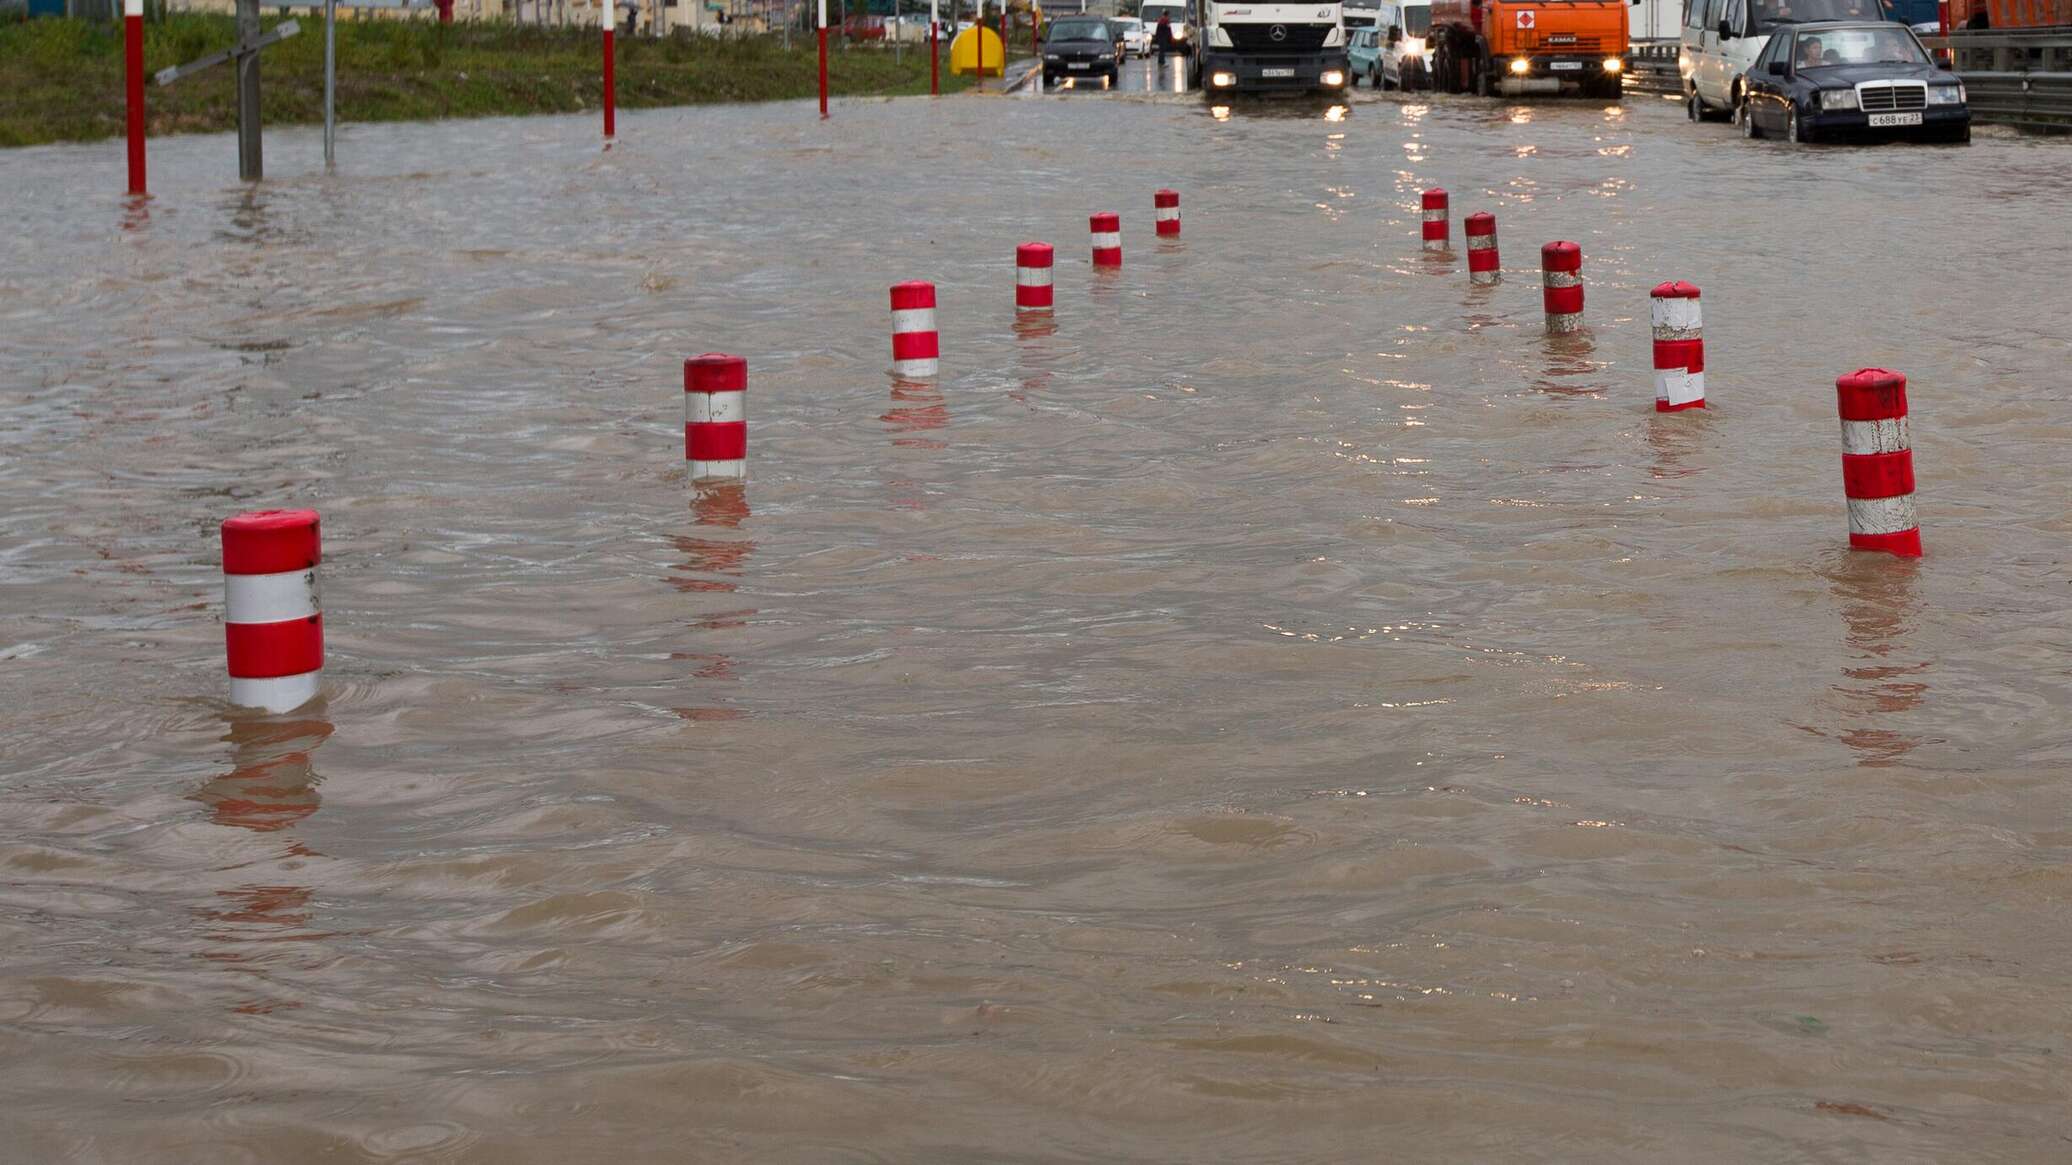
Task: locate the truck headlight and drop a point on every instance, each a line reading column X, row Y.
column 1613, row 64
column 1413, row 46
column 1332, row 78
column 1222, row 80
column 1838, row 99
column 1520, row 66
column 1947, row 94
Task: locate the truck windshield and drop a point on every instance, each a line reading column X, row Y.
column 1173, row 12
column 1417, row 21
column 1774, row 12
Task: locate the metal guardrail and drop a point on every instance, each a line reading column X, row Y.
column 1651, row 67
column 2021, row 77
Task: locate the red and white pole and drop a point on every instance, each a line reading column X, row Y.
column 1679, row 348
column 1484, row 269
column 133, row 67
column 1437, row 228
column 611, row 82
column 1561, row 290
column 273, row 630
column 1107, row 231
column 1165, row 209
column 715, row 417
column 823, row 60
column 916, row 347
column 1032, row 270
column 934, row 60
column 1878, row 462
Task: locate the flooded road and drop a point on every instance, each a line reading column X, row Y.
column 1289, row 710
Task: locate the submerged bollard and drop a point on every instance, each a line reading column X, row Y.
column 609, row 19
column 1878, row 462
column 1032, row 270
column 915, row 345
column 1165, row 209
column 715, row 417
column 1679, row 348
column 1437, row 227
column 1561, row 278
column 1107, row 230
column 1483, row 266
column 273, row 631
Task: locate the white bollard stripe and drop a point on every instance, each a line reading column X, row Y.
column 1882, row 515
column 1107, row 240
column 705, row 470
column 133, row 7
column 916, row 367
column 1168, row 214
column 1888, row 436
column 1562, row 279
column 1436, row 215
column 1678, row 387
column 1481, row 242
column 913, row 319
column 269, row 598
column 704, row 408
column 1032, row 276
column 1678, row 315
column 278, row 694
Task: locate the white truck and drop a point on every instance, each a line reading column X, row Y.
column 1243, row 47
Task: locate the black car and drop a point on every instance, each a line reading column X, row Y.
column 1081, row 46
column 1838, row 78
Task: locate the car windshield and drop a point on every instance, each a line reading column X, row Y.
column 1080, row 30
column 1857, row 46
column 1771, row 12
column 1417, row 21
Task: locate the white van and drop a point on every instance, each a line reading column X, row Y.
column 1721, row 38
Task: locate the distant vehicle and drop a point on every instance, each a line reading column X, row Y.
column 1183, row 32
column 1080, row 46
column 1515, row 47
column 1405, row 24
column 1364, row 14
column 1363, row 55
column 1247, row 47
column 1834, row 79
column 1923, row 16
column 1720, row 40
column 1136, row 36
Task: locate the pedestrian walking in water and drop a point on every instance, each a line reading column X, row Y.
column 1162, row 39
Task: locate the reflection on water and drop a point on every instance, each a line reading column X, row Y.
column 1878, row 602
column 272, row 783
column 714, row 562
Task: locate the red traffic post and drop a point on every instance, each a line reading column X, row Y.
column 611, row 21
column 273, row 631
column 133, row 68
column 1561, row 279
column 715, row 417
column 1878, row 462
column 1032, row 271
column 1484, row 268
column 1107, row 234
column 822, row 32
column 1437, row 228
column 934, row 56
column 1165, row 211
column 916, row 347
column 1679, row 347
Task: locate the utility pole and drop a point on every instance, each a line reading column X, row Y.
column 251, row 166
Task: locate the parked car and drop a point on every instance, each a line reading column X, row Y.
column 1136, row 36
column 1720, row 40
column 1080, row 46
column 1835, row 79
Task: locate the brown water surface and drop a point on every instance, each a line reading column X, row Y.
column 1289, row 710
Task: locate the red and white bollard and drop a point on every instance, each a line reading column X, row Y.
column 273, row 630
column 915, row 345
column 1679, row 348
column 1878, row 462
column 1032, row 268
column 1165, row 209
column 715, row 417
column 1107, row 230
column 1561, row 277
column 1437, row 228
column 611, row 85
column 821, row 33
column 1484, row 268
column 133, row 68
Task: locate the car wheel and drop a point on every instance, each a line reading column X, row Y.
column 1794, row 132
column 1745, row 118
column 1693, row 108
column 1115, row 78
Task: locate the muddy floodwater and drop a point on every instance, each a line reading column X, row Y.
column 1283, row 708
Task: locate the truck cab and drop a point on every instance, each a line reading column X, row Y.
column 1247, row 47
column 1516, row 47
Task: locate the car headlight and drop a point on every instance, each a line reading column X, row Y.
column 1838, row 99
column 1520, row 65
column 1052, row 57
column 1947, row 94
column 1613, row 64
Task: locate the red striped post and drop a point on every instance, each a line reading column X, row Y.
column 715, row 417
column 611, row 84
column 916, row 347
column 1165, row 209
column 934, row 56
column 1561, row 278
column 273, row 630
column 1878, row 462
column 1437, row 228
column 1679, row 348
column 823, row 59
column 133, row 68
column 1107, row 231
column 1032, row 269
column 1483, row 266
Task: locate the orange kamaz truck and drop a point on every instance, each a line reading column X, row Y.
column 1518, row 46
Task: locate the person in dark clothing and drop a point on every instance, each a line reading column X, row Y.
column 1978, row 21
column 1162, row 38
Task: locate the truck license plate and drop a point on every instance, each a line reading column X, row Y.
column 1566, row 65
column 1276, row 72
column 1879, row 120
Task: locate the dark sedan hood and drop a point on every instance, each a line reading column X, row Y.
column 1836, row 75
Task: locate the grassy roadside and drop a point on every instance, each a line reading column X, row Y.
column 61, row 80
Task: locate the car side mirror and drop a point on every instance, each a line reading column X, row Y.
column 1777, row 68
column 1726, row 30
